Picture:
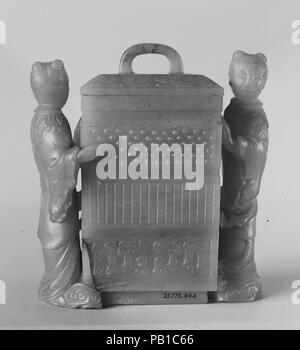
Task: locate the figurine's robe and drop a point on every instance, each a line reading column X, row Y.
column 243, row 170
column 59, row 222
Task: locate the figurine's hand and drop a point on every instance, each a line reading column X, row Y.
column 87, row 154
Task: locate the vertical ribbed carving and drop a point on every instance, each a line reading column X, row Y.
column 147, row 202
column 123, row 204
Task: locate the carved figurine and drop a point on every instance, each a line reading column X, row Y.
column 58, row 163
column 245, row 145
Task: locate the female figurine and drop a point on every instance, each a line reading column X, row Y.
column 245, row 145
column 58, row 163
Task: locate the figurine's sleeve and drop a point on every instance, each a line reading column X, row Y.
column 257, row 139
column 253, row 148
column 63, row 179
column 58, row 162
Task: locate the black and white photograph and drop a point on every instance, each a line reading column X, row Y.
column 149, row 171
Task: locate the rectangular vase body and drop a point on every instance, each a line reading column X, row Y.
column 152, row 240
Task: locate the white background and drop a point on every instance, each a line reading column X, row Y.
column 90, row 37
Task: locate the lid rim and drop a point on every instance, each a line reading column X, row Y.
column 151, row 84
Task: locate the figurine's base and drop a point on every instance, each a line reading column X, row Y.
column 152, row 298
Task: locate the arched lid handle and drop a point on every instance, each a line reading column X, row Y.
column 175, row 62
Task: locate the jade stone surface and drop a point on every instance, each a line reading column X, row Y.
column 245, row 146
column 151, row 209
